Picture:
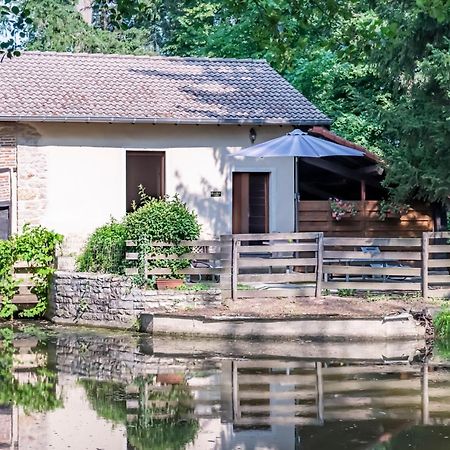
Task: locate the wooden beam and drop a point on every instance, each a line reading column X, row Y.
column 371, row 170
column 340, row 170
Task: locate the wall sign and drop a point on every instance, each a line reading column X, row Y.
column 216, row 193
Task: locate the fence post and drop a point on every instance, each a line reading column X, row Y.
column 226, row 264
column 319, row 265
column 234, row 267
column 425, row 255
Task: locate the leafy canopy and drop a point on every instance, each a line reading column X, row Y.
column 380, row 70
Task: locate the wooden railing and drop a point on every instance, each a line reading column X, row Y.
column 206, row 259
column 304, row 264
column 315, row 215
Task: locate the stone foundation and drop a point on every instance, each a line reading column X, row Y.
column 32, row 185
column 112, row 301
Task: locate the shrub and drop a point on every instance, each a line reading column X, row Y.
column 105, row 250
column 162, row 220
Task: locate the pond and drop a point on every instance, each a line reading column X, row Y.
column 71, row 388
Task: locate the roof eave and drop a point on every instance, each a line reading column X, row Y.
column 168, row 121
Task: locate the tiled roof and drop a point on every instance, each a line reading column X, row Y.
column 97, row 87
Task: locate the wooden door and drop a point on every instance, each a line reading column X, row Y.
column 250, row 202
column 146, row 169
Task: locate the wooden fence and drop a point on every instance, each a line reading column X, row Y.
column 206, row 259
column 304, row 264
column 275, row 264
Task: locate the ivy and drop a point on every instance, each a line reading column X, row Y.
column 36, row 246
column 37, row 396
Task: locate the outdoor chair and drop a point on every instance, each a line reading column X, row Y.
column 373, row 251
column 201, row 264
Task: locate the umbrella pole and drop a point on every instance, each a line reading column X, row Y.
column 296, row 194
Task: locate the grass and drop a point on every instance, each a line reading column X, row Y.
column 442, row 323
column 443, row 348
column 197, row 286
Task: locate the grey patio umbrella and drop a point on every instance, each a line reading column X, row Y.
column 297, row 144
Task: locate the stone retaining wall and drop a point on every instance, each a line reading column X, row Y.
column 112, row 301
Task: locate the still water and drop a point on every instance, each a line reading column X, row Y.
column 63, row 388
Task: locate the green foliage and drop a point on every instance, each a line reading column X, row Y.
column 108, row 399
column 105, row 250
column 379, row 70
column 156, row 220
column 57, row 26
column 37, row 396
column 346, row 292
column 149, row 430
column 36, row 246
column 442, row 323
column 162, row 220
column 387, row 207
column 14, row 21
column 443, row 347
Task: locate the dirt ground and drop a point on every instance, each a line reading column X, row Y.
column 326, row 306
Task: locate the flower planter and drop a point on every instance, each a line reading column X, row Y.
column 170, row 378
column 171, row 283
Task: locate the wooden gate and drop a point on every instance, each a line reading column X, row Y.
column 284, row 264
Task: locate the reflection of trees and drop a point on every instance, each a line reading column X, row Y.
column 162, row 418
column 443, row 348
column 38, row 395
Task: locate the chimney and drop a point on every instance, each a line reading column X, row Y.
column 84, row 7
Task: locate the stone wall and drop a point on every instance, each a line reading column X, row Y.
column 8, row 160
column 31, row 184
column 112, row 301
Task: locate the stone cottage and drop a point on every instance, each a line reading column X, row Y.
column 80, row 132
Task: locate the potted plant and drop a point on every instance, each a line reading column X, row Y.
column 388, row 209
column 342, row 208
column 168, row 283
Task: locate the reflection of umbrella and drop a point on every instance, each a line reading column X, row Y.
column 297, row 144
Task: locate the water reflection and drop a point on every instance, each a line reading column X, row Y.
column 101, row 390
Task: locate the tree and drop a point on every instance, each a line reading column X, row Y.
column 58, row 26
column 413, row 56
column 380, row 70
column 13, row 22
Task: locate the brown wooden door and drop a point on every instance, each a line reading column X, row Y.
column 250, row 202
column 146, row 169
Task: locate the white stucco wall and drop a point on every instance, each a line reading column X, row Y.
column 86, row 172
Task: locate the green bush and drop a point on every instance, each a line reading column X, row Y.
column 162, row 220
column 105, row 250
